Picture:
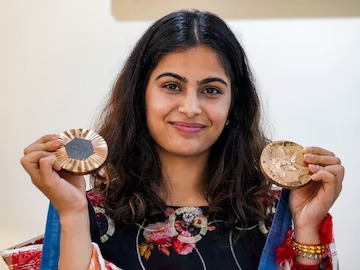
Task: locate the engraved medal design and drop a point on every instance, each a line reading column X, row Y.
column 83, row 151
column 283, row 163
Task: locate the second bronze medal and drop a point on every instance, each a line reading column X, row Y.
column 283, row 163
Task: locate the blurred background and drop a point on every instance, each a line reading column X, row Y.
column 58, row 60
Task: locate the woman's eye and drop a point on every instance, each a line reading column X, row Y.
column 172, row 86
column 211, row 91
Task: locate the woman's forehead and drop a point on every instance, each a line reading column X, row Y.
column 200, row 61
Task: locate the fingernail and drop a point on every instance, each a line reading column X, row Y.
column 313, row 166
column 306, row 149
column 308, row 156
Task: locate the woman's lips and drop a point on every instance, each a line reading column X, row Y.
column 187, row 127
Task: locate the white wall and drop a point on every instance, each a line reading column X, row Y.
column 58, row 59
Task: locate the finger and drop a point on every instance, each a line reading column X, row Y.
column 323, row 160
column 314, row 168
column 46, row 138
column 339, row 172
column 318, row 151
column 50, row 145
column 47, row 165
column 329, row 184
column 31, row 160
column 58, row 190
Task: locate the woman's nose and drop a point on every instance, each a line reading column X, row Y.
column 190, row 105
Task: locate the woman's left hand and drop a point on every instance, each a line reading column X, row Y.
column 310, row 203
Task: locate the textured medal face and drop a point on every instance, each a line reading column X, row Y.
column 83, row 151
column 283, row 163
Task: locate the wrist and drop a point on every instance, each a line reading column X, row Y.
column 307, row 235
column 306, row 225
column 318, row 233
column 72, row 220
column 75, row 240
column 307, row 245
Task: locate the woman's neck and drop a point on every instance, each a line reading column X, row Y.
column 184, row 179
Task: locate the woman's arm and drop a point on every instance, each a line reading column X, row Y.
column 310, row 204
column 75, row 241
column 67, row 194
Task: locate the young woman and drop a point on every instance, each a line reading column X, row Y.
column 182, row 188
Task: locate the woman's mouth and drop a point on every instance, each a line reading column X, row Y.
column 186, row 127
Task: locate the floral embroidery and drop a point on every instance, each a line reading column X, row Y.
column 95, row 198
column 181, row 230
column 105, row 224
column 145, row 250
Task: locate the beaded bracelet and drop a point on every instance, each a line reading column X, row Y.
column 314, row 252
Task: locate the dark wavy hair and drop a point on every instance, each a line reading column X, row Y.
column 133, row 176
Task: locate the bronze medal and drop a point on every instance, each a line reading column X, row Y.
column 83, row 151
column 283, row 163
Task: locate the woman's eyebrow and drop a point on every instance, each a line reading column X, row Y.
column 183, row 79
column 212, row 79
column 176, row 76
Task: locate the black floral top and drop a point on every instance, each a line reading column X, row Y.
column 188, row 239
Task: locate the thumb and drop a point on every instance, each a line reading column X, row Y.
column 328, row 181
column 47, row 165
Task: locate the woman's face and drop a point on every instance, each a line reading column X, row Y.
column 187, row 100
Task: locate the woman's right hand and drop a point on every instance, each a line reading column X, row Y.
column 65, row 191
column 67, row 194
